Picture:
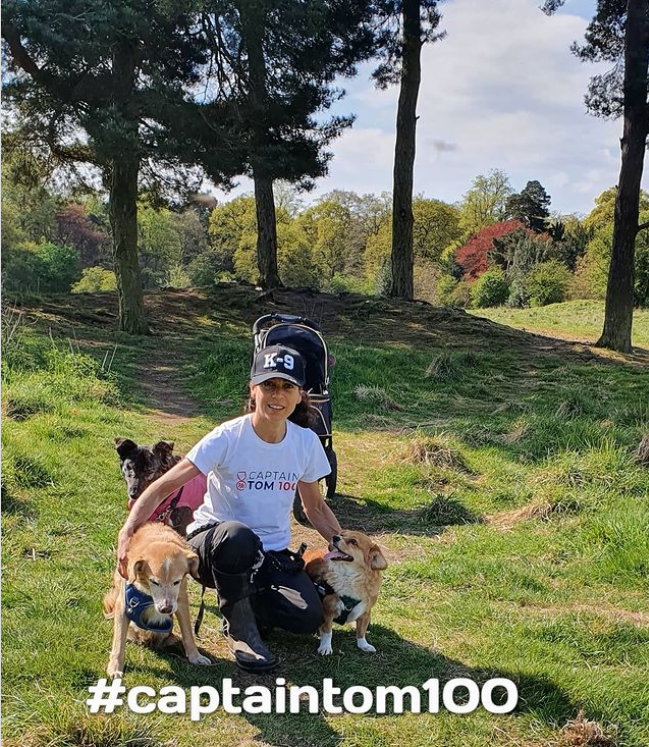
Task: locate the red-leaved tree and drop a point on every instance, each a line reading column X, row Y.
column 77, row 229
column 472, row 257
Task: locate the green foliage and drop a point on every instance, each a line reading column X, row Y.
column 95, row 280
column 603, row 214
column 377, row 253
column 159, row 244
column 572, row 246
column 383, row 278
column 426, row 275
column 436, row 226
column 293, row 55
column 446, row 287
column 228, row 223
column 347, row 284
column 518, row 254
column 203, row 271
column 548, row 283
column 593, row 267
column 178, row 277
column 28, row 209
column 326, row 226
column 490, row 289
column 246, row 266
column 40, row 268
column 485, row 203
column 294, row 255
column 453, row 293
column 191, row 234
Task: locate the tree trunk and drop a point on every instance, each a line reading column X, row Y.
column 122, row 205
column 253, row 22
column 401, row 283
column 618, row 316
column 266, row 233
column 123, row 221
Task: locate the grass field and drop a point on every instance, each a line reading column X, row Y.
column 574, row 320
column 497, row 469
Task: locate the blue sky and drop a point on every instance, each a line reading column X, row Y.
column 502, row 90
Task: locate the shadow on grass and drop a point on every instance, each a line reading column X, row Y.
column 398, row 663
column 503, row 388
column 11, row 505
column 372, row 517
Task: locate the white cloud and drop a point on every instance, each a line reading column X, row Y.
column 501, row 91
column 504, row 89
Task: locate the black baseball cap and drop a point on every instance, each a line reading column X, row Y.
column 278, row 362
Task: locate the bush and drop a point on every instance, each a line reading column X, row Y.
column 96, row 280
column 462, row 295
column 178, row 278
column 426, row 278
column 383, row 278
column 44, row 267
column 490, row 289
column 61, row 267
column 20, row 267
column 548, row 283
column 446, row 287
column 452, row 293
column 350, row 284
column 591, row 277
column 202, row 270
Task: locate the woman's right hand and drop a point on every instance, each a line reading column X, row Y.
column 123, row 542
column 147, row 503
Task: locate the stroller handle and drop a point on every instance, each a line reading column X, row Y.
column 286, row 319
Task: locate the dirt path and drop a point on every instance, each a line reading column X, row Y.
column 160, row 385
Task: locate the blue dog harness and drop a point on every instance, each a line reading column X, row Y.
column 136, row 603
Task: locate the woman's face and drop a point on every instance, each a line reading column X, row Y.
column 275, row 399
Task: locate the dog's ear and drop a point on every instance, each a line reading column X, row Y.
column 135, row 569
column 377, row 559
column 192, row 559
column 123, row 446
column 164, row 448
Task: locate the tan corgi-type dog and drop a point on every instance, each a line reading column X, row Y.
column 159, row 561
column 348, row 578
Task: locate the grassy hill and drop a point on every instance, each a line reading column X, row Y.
column 573, row 320
column 496, row 467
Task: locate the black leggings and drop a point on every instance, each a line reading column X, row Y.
column 283, row 600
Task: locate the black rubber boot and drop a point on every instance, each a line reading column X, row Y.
column 240, row 628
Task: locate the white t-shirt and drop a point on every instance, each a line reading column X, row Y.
column 252, row 481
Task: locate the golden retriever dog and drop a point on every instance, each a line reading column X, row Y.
column 348, row 579
column 159, row 561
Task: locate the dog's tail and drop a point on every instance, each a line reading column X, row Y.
column 109, row 603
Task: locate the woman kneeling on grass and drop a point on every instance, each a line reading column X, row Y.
column 242, row 531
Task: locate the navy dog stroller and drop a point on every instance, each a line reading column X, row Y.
column 305, row 336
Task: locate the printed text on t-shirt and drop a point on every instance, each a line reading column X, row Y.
column 268, row 480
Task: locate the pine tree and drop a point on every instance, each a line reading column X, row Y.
column 619, row 33
column 280, row 60
column 105, row 83
column 403, row 27
column 531, row 206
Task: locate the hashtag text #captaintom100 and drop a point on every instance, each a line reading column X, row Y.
column 258, row 699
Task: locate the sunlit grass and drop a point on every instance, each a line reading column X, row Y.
column 503, row 486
